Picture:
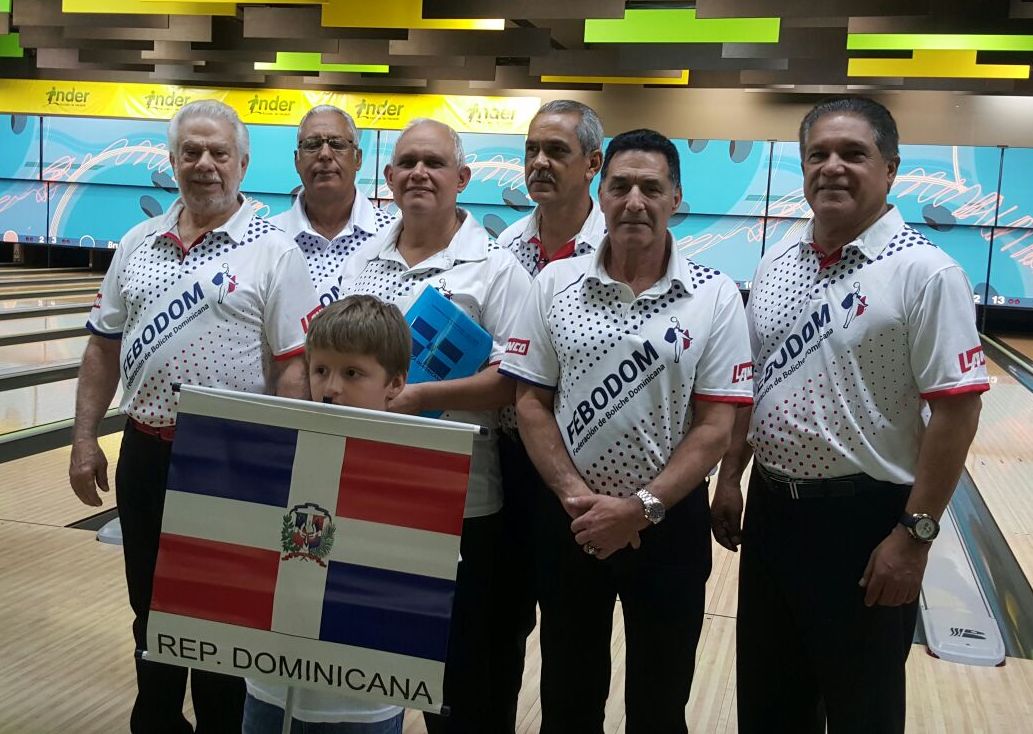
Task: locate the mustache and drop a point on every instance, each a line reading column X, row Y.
column 206, row 180
column 541, row 177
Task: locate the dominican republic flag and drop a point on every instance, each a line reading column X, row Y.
column 310, row 544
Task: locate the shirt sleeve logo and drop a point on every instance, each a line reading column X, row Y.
column 971, row 359
column 306, row 320
column 678, row 337
column 855, row 304
column 742, row 372
column 96, row 302
column 518, row 346
column 226, row 281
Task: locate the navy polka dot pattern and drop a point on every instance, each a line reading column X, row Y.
column 488, row 284
column 324, row 257
column 212, row 315
column 839, row 352
column 626, row 368
column 517, row 239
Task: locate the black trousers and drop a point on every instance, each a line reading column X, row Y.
column 514, row 596
column 661, row 588
column 807, row 648
column 140, row 481
column 467, row 666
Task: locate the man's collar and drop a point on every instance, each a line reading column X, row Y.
column 235, row 227
column 870, row 242
column 677, row 269
column 592, row 231
column 468, row 244
column 362, row 217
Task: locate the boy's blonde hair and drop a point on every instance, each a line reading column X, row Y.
column 364, row 325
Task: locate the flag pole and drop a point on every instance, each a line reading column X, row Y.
column 288, row 711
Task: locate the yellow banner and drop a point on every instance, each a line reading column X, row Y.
column 265, row 106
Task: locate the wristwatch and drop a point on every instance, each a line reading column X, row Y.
column 921, row 526
column 654, row 508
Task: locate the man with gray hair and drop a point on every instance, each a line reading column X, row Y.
column 435, row 244
column 329, row 219
column 207, row 294
column 562, row 156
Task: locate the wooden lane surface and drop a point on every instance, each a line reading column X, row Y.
column 35, row 490
column 1021, row 344
column 67, row 645
column 1001, row 460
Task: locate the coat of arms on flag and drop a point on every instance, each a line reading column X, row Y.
column 310, row 544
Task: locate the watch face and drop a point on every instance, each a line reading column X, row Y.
column 925, row 528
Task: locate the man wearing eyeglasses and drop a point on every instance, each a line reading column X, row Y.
column 329, row 219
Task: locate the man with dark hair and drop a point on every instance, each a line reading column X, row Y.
column 856, row 328
column 627, row 361
column 562, row 157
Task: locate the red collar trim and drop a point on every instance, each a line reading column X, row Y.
column 824, row 260
column 564, row 252
column 183, row 248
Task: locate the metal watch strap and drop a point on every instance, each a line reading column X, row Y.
column 653, row 508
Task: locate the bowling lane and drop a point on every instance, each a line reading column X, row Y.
column 27, row 407
column 43, row 323
column 15, row 303
column 1019, row 343
column 1000, row 457
column 48, row 291
column 41, row 354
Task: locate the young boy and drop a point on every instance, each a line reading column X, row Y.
column 358, row 352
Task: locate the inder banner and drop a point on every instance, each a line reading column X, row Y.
column 265, row 106
column 311, row 545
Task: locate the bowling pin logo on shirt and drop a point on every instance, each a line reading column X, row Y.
column 855, row 304
column 227, row 283
column 679, row 337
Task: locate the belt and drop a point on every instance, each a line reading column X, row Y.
column 803, row 489
column 163, row 433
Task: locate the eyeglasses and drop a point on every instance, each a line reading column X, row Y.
column 314, row 145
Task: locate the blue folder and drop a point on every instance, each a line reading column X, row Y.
column 446, row 342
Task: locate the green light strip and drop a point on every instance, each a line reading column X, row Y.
column 305, row 61
column 934, row 42
column 679, row 26
column 10, row 46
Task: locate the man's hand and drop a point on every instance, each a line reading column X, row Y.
column 608, row 523
column 88, row 470
column 726, row 515
column 409, row 401
column 895, row 570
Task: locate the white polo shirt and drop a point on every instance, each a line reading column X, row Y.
column 208, row 315
column 847, row 347
column 487, row 283
column 323, row 256
column 521, row 238
column 626, row 369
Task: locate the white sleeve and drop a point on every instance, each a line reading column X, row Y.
column 290, row 305
column 530, row 355
column 946, row 355
column 109, row 313
column 724, row 372
column 506, row 292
